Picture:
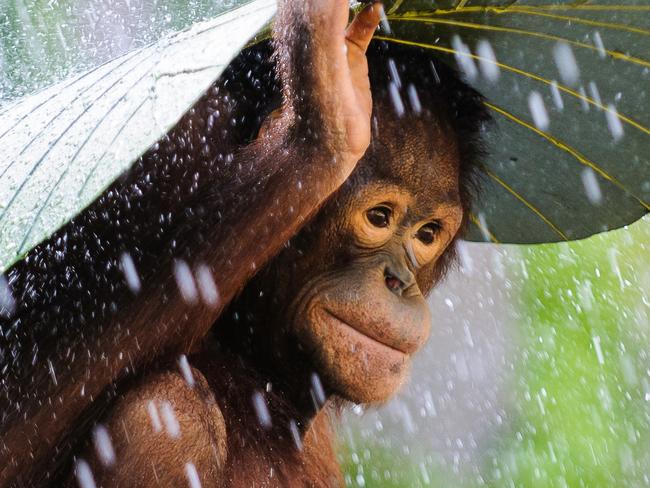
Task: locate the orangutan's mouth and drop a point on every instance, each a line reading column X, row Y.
column 362, row 336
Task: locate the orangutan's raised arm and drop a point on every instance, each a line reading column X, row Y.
column 149, row 266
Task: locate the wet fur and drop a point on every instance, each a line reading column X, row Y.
column 76, row 311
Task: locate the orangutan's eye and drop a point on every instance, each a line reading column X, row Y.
column 379, row 216
column 427, row 233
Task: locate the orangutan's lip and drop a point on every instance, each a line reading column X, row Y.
column 369, row 337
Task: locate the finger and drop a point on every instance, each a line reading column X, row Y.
column 327, row 16
column 363, row 26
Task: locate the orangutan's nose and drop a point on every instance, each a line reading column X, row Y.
column 397, row 280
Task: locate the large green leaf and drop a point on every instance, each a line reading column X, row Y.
column 63, row 146
column 588, row 171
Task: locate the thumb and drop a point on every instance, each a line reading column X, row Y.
column 363, row 26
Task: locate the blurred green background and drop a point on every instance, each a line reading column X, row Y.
column 562, row 395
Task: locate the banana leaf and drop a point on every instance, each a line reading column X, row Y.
column 60, row 148
column 567, row 84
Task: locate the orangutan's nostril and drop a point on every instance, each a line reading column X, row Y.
column 394, row 284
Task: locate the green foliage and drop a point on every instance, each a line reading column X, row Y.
column 370, row 464
column 582, row 394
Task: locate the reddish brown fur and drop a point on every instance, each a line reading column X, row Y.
column 204, row 194
column 77, row 317
column 253, row 350
column 228, row 449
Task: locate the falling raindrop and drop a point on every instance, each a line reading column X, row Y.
column 595, row 94
column 406, row 417
column 566, row 63
column 592, row 188
column 7, row 302
column 436, row 76
column 429, row 404
column 450, row 303
column 498, row 265
column 598, row 42
column 185, row 282
column 605, row 398
column 487, row 60
column 557, row 97
column 84, row 474
column 262, row 410
column 612, row 254
column 396, row 98
column 468, row 335
column 583, row 98
column 484, row 227
column 599, row 351
column 425, row 476
column 466, row 261
column 50, row 367
column 462, row 370
column 614, row 122
column 172, row 426
column 540, row 404
column 152, row 409
column 394, row 75
column 414, row 99
column 586, row 296
column 538, row 110
column 207, row 287
column 295, row 434
column 464, row 58
column 186, row 370
column 192, row 475
column 103, row 445
column 629, row 371
column 130, row 273
column 317, row 390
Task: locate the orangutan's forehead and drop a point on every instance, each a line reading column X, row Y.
column 419, row 154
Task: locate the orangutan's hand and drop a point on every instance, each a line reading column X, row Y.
column 325, row 72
